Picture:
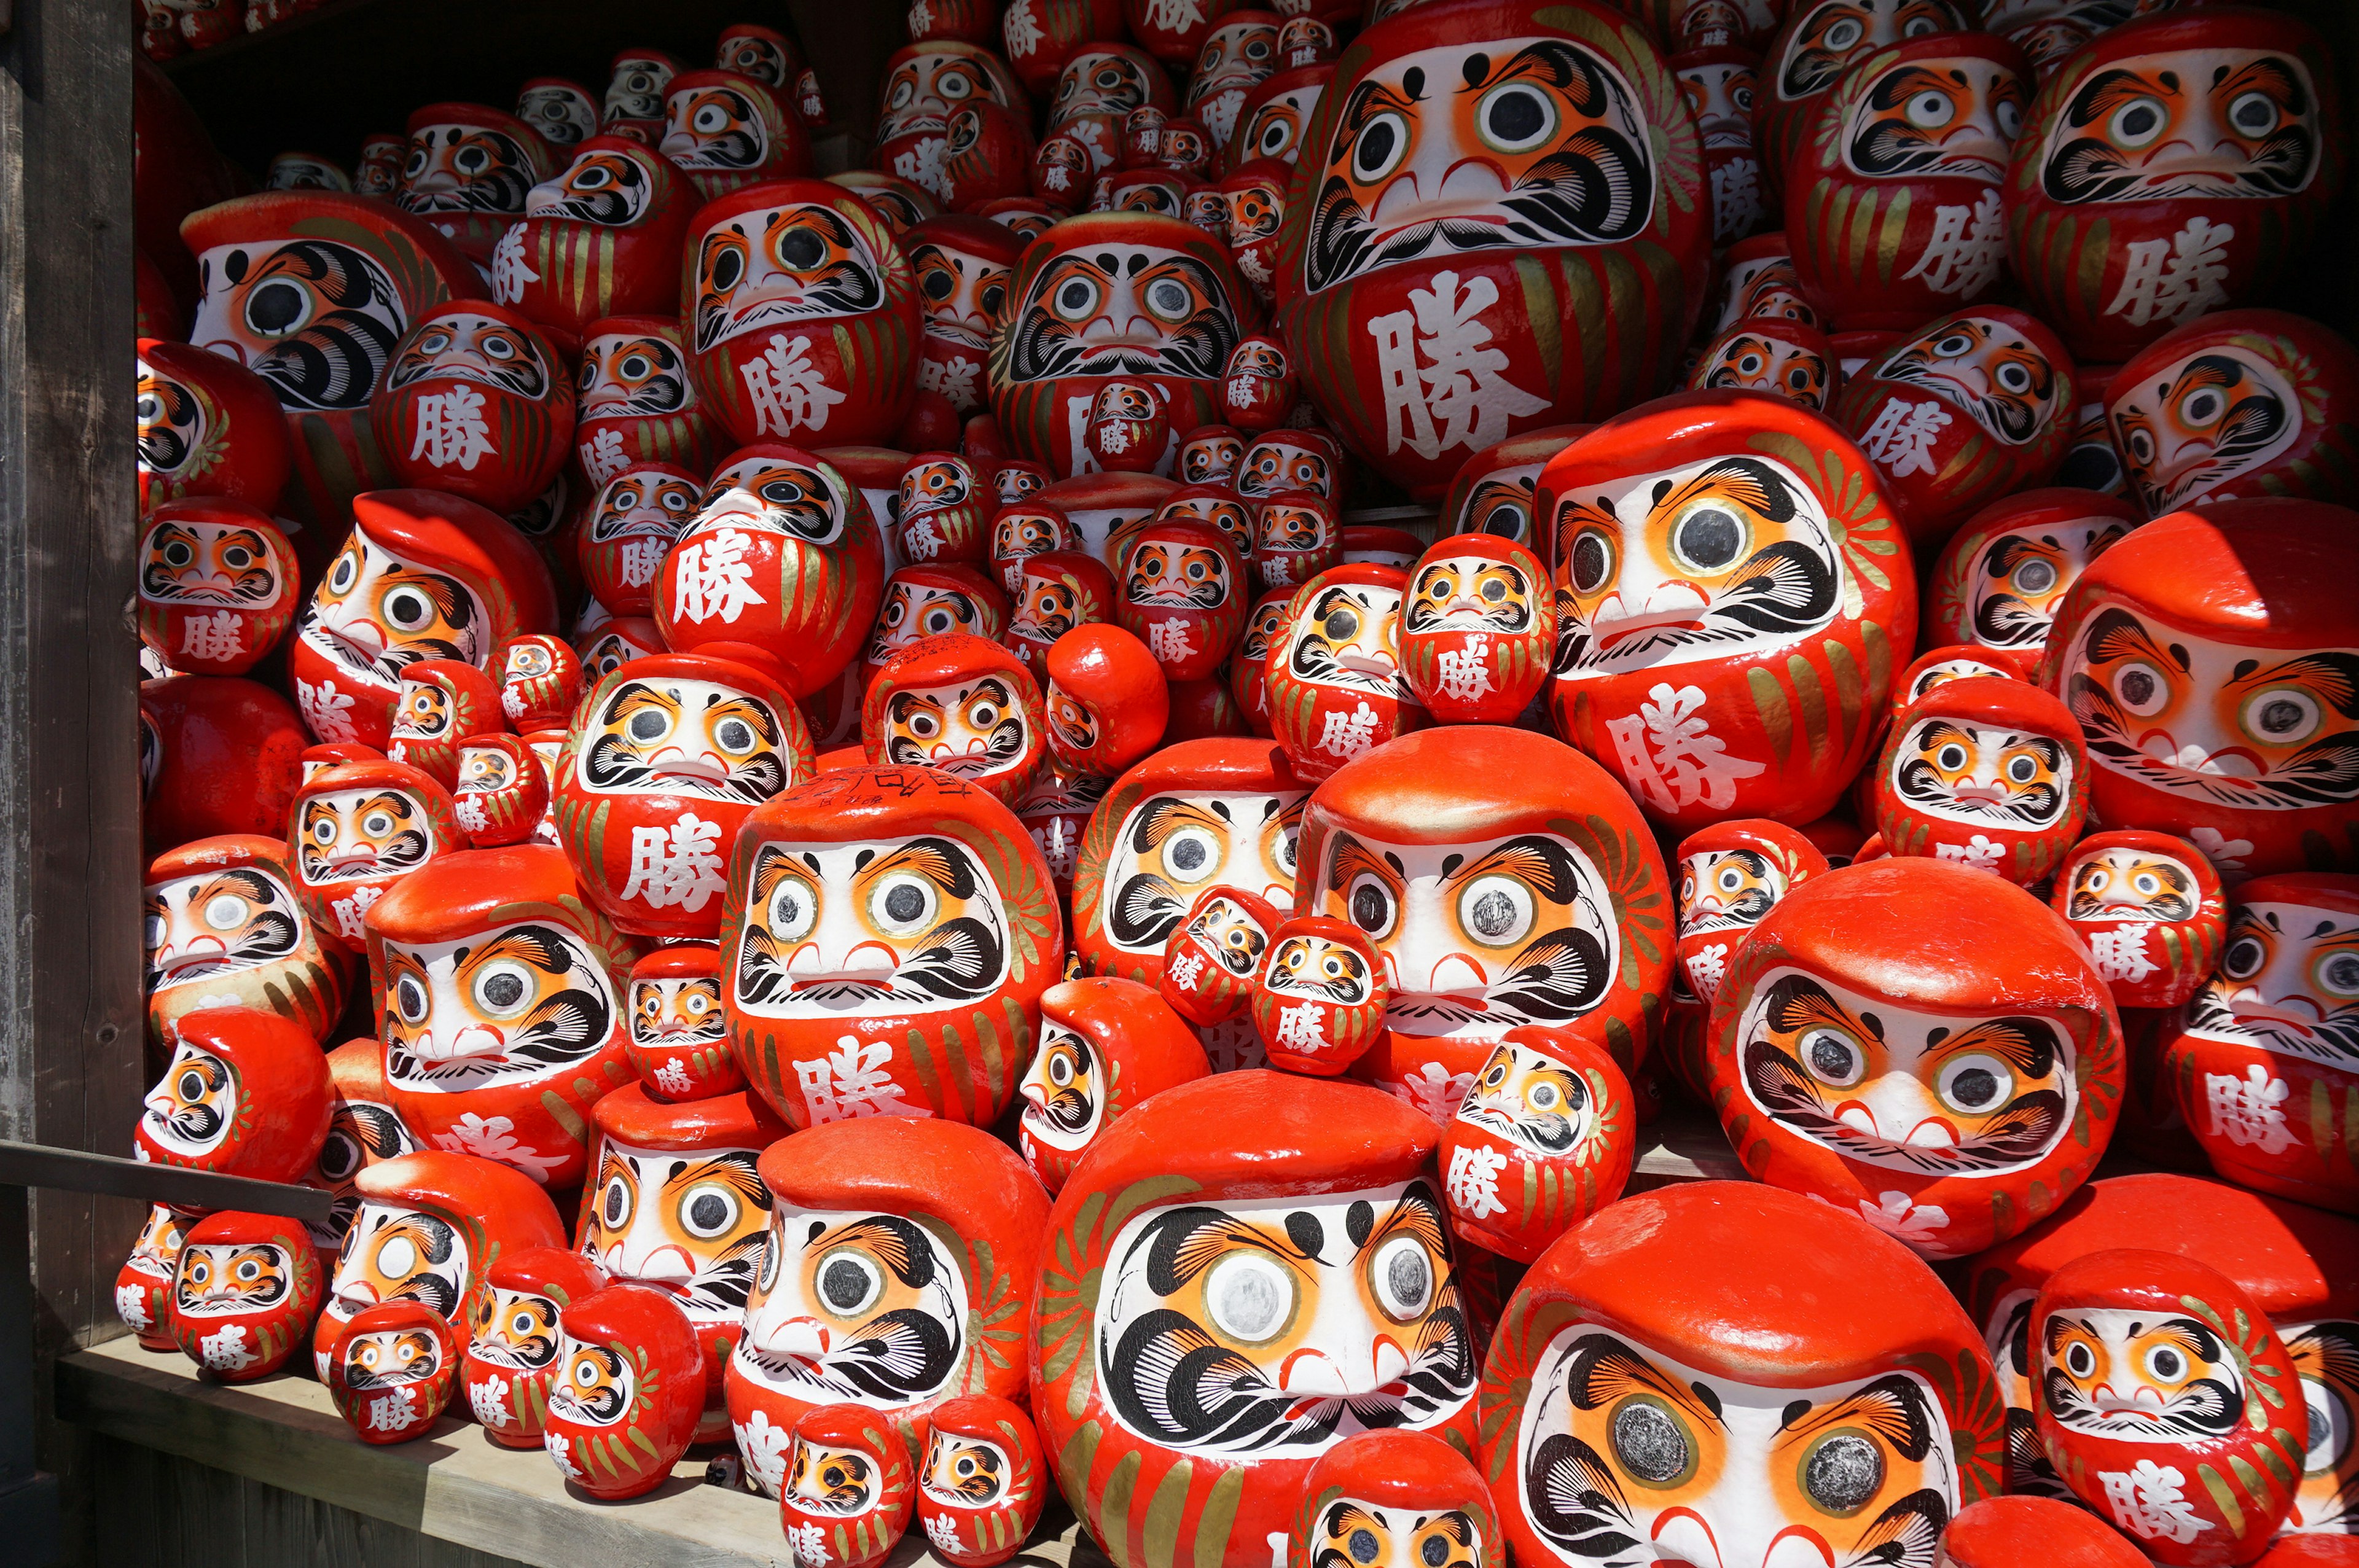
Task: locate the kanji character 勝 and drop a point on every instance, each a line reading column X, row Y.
column 2148, row 1501
column 2175, row 279
column 1459, row 397
column 1671, row 756
column 1962, row 256
column 510, row 271
column 1473, row 1180
column 1900, row 438
column 787, row 392
column 2249, row 1111
column 451, row 429
column 677, row 865
column 851, row 1081
column 715, row 580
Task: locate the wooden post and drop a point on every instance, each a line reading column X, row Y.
column 70, row 861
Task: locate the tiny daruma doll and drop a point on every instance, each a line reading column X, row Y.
column 247, row 1289
column 393, row 1370
column 1988, row 772
column 223, row 925
column 513, row 1339
column 982, row 1481
column 1105, row 1045
column 2149, row 908
column 629, row 1388
column 1395, row 1499
column 247, row 1093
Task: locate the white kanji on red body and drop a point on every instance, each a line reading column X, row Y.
column 1668, row 751
column 450, row 429
column 510, row 271
column 715, row 580
column 673, row 1079
column 1473, row 1180
column 349, row 912
column 1464, row 674
column 1900, row 438
column 642, row 558
column 1168, row 641
column 2150, row 1500
column 2249, row 1111
column 853, row 1080
column 677, row 865
column 489, row 1401
column 226, row 1351
column 1346, row 735
column 2121, row 953
column 1298, row 1027
column 2176, row 278
column 1962, row 256
column 602, row 456
column 787, row 391
column 1735, row 196
column 209, row 638
column 396, row 1410
column 1021, row 29
column 327, row 713
column 1983, row 852
column 1459, row 396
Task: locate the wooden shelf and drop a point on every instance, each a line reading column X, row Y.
column 452, row 1483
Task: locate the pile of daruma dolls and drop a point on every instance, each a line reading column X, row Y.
column 800, row 795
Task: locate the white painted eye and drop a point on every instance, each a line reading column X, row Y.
column 378, row 823
column 1497, row 910
column 1076, row 299
column 1950, row 758
column 225, row 913
column 2010, row 116
column 1250, row 1296
column 1379, row 147
column 2329, row 1437
column 902, row 904
column 2338, row 974
column 409, row 999
column 2022, row 770
column 396, row 1258
column 2146, row 884
column 708, row 1210
column 1372, row 907
column 2166, row 1364
column 1845, row 33
column 794, row 910
column 2141, row 688
column 2138, row 122
column 2253, row 114
column 615, row 1203
column 1975, row 1084
column 1930, row 111
column 2034, row 576
column 2013, row 377
column 849, row 1282
column 2281, row 716
column 733, row 736
column 1401, row 1275
column 1191, row 855
column 1515, row 117
column 504, row 988
column 2244, row 958
column 1833, row 1058
column 323, row 832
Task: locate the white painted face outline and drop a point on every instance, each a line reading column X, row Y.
column 563, row 114
column 483, row 770
column 975, row 735
column 419, row 1367
column 1375, row 1536
column 1348, row 639
column 2119, row 885
column 1969, row 145
column 518, row 1314
column 341, row 621
column 1539, row 1104
column 2118, row 1348
column 1117, row 307
column 832, row 273
column 173, row 426
column 813, row 1468
column 1987, row 369
column 915, row 611
column 1879, row 1109
column 2288, row 983
column 682, row 737
column 227, row 1293
column 612, row 388
column 347, row 342
column 1176, row 843
column 596, row 1386
column 1741, row 1520
column 955, row 1457
column 1507, row 615
column 1718, row 889
column 2018, row 575
column 215, row 586
column 1386, row 1345
column 715, row 127
column 1638, row 603
column 1080, row 1112
column 193, row 1104
column 974, row 292
column 187, row 945
column 1275, row 127
column 446, row 1034
column 369, row 1255
column 1442, row 979
column 1721, row 103
column 2213, row 167
column 635, row 90
column 680, row 1023
column 798, row 1345
column 469, row 346
column 853, row 959
column 2321, row 1350
column 689, row 1224
column 772, row 495
column 1983, row 775
column 2183, row 444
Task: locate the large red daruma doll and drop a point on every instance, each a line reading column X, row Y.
column 1729, row 619
column 423, row 576
column 899, row 1273
column 887, row 935
column 476, row 403
column 2169, row 168
column 1246, row 1271
column 1863, row 1059
column 1113, row 296
column 502, row 1008
column 802, row 315
column 2211, row 658
column 1504, row 880
column 1731, row 1374
column 1448, row 283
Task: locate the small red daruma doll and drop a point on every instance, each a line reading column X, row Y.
column 943, row 508
column 963, row 264
column 476, row 403
column 502, row 1000
column 1335, row 686
column 245, row 1291
column 1544, row 1139
column 143, row 1286
column 540, row 681
column 393, row 1371
column 2121, row 226
column 502, row 795
column 639, row 404
column 1731, row 874
column 1477, row 629
column 1106, row 699
column 1297, row 536
column 423, row 576
column 223, row 926
column 1056, row 592
column 2001, row 577
column 1209, row 455
column 1319, row 1002
column 848, row 1491
column 2148, row 908
column 2261, row 1066
column 1258, row 386
column 1395, row 1499
column 357, row 829
column 783, row 277
column 1105, row 1045
column 988, row 174
column 217, row 585
column 442, row 701
column 634, row 521
column 928, row 601
column 1986, row 772
column 981, row 1482
column 1948, row 1102
column 1023, row 528
column 679, row 1043
column 510, row 1362
column 963, row 705
column 628, row 1392
column 1968, row 408
column 246, row 1094
column 726, row 130
column 1129, row 429
column 1182, row 594
column 208, row 427
column 1214, row 955
column 2167, row 1403
column 1783, row 359
column 601, row 238
column 886, row 939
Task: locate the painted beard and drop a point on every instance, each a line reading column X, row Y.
column 171, row 422
column 959, row 961
column 1759, row 894
column 570, row 1022
column 2202, row 1409
column 894, row 1358
column 336, row 361
column 502, row 188
column 526, row 377
column 1045, row 347
column 1594, row 186
column 2034, row 806
column 2083, row 167
column 602, row 1405
column 615, row 766
column 1548, row 1133
column 529, row 1354
column 2014, row 418
column 191, row 1125
column 1563, row 976
column 2258, row 420
column 2333, row 1041
column 849, row 286
column 2003, row 620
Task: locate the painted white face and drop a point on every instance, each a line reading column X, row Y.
column 462, row 345
column 390, row 1359
column 690, row 1224
column 2253, row 728
column 2323, row 1352
column 772, row 495
column 188, row 562
column 315, row 319
column 635, row 91
column 1125, row 309
column 1988, row 369
column 395, row 1252
column 914, row 611
column 1923, row 1093
column 1721, row 98
column 1953, row 118
column 1522, row 144
column 562, row 114
column 2014, row 582
column 1064, row 1089
column 1620, row 1442
column 1729, row 557
column 192, row 1106
column 1174, row 846
column 1476, row 938
column 1348, row 637
column 972, row 730
column 1273, row 1329
column 512, row 1004
column 2185, row 435
column 2137, row 1376
column 836, row 931
column 2288, row 983
column 676, row 1015
column 794, row 263
column 632, row 372
column 1727, row 890
column 1370, row 1535
column 825, row 1479
column 671, row 736
column 516, row 1329
column 715, row 127
column 1983, row 774
column 216, row 1279
column 1533, row 1100
column 1275, row 127
column 377, row 613
column 2210, row 122
column 215, row 923
column 962, row 294
column 2132, row 884
column 963, row 1472
column 855, row 1308
column 1470, row 593
column 596, row 1387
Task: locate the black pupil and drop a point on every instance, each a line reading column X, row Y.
column 709, row 1211
column 2319, row 1427
column 1843, row 1474
column 1405, row 1275
column 1364, row 1546
column 2138, row 687
column 2021, row 770
column 734, row 735
column 1377, row 145
column 1975, row 1087
column 904, row 902
column 2138, row 120
column 1339, row 625
column 1368, row 909
column 616, row 1204
column 802, row 250
column 1494, row 912
column 1648, row 1443
column 406, row 610
column 274, row 306
column 1710, row 538
column 1516, row 117
column 939, row 285
column 2166, row 1363
column 844, row 1284
column 413, row 1000
column 2243, row 958
column 191, row 1086
column 646, row 726
column 1589, row 562
column 1831, row 1056
column 2343, row 973
column 338, row 1157
column 1188, row 854
column 727, row 269
column 2280, row 716
column 1076, row 296
column 2037, row 576
column 504, row 990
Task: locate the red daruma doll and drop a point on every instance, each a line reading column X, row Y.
column 981, row 1482
column 476, row 403
column 601, row 238
column 1986, row 772
column 1319, row 1001
column 1105, row 1045
column 218, row 585
column 1182, row 594
column 1477, row 629
column 1334, row 685
column 2148, row 908
column 247, row 1289
column 511, row 1359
